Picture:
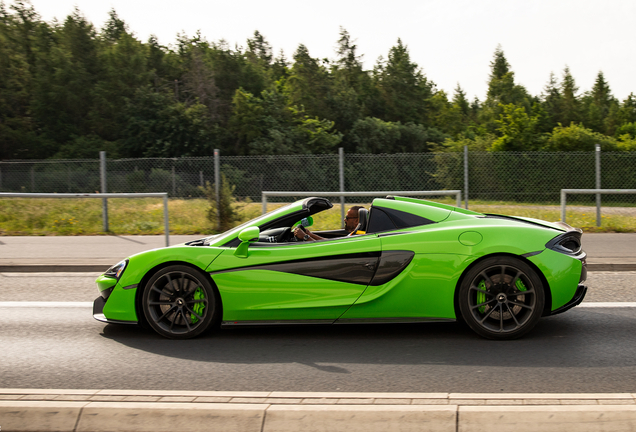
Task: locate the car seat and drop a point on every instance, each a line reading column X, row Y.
column 363, row 219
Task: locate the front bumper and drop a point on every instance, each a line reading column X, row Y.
column 579, row 295
column 98, row 312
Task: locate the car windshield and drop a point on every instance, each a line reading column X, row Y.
column 228, row 235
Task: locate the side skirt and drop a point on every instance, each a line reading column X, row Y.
column 392, row 320
column 340, row 321
column 282, row 322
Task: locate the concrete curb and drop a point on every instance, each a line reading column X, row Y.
column 99, row 268
column 54, row 268
column 152, row 410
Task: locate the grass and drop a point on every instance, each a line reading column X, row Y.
column 144, row 216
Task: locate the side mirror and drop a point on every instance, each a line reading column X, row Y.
column 246, row 236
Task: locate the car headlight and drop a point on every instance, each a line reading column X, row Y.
column 116, row 270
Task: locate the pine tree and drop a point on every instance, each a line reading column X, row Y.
column 570, row 105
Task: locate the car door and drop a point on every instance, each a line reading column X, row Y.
column 295, row 282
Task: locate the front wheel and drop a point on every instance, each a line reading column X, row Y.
column 501, row 298
column 179, row 302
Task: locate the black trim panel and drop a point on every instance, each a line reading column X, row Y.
column 579, row 295
column 391, row 264
column 102, row 318
column 357, row 268
column 531, row 254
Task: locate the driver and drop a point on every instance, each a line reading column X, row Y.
column 351, row 222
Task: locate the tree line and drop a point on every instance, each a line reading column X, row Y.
column 69, row 90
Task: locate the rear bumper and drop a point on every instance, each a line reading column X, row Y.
column 579, row 295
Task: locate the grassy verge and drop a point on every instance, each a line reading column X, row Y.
column 144, row 216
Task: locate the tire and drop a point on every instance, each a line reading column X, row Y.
column 501, row 298
column 179, row 302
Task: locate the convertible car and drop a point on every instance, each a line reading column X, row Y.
column 408, row 260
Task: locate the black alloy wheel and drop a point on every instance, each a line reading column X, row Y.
column 179, row 302
column 501, row 298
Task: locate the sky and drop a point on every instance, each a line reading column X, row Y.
column 452, row 41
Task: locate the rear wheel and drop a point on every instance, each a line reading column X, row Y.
column 501, row 298
column 179, row 302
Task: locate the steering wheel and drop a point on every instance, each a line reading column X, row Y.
column 286, row 236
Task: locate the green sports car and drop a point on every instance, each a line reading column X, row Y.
column 408, row 260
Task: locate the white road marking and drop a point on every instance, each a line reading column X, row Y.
column 34, row 304
column 52, row 304
column 607, row 304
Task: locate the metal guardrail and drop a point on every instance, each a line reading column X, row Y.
column 163, row 195
column 598, row 192
column 457, row 193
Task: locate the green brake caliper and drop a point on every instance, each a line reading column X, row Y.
column 481, row 296
column 199, row 294
column 520, row 286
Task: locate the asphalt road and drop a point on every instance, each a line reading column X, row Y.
column 583, row 350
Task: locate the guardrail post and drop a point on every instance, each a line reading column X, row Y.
column 264, row 202
column 102, row 176
column 342, row 185
column 598, row 184
column 465, row 177
column 563, row 197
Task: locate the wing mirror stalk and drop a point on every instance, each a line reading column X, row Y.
column 247, row 236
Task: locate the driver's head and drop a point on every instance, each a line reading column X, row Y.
column 351, row 219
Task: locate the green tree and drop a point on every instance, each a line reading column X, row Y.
column 502, row 91
column 570, row 104
column 350, row 86
column 577, row 138
column 516, row 128
column 222, row 212
column 552, row 105
column 403, row 89
column 599, row 104
column 627, row 111
column 114, row 27
column 157, row 126
column 268, row 125
column 372, row 135
column 308, row 86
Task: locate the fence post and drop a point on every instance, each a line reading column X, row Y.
column 174, row 183
column 33, row 178
column 466, row 177
column 102, row 176
column 217, row 183
column 598, row 184
column 0, row 178
column 342, row 185
column 166, row 219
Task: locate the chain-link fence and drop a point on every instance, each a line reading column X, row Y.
column 533, row 177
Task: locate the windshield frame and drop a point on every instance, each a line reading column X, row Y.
column 222, row 238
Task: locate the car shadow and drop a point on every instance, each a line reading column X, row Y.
column 581, row 338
